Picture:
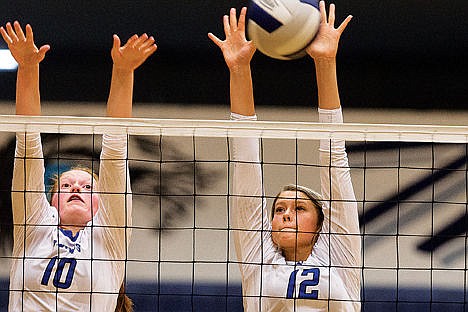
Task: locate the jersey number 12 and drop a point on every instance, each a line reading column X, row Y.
column 313, row 276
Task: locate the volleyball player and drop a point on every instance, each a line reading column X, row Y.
column 304, row 254
column 69, row 255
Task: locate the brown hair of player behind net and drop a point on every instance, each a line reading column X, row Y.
column 313, row 196
column 124, row 303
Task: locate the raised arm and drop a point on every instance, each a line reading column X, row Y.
column 126, row 59
column 323, row 50
column 341, row 216
column 28, row 197
column 114, row 178
column 250, row 219
column 336, row 182
column 238, row 53
column 28, row 57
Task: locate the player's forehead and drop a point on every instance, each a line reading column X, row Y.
column 295, row 196
column 76, row 175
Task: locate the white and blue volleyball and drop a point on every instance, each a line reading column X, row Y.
column 282, row 29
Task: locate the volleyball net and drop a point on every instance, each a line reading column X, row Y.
column 410, row 184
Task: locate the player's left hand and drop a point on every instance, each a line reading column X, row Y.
column 325, row 44
column 133, row 53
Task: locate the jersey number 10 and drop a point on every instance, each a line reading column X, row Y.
column 57, row 281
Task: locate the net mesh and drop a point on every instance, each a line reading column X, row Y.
column 410, row 184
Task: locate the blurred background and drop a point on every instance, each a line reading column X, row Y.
column 396, row 54
column 399, row 62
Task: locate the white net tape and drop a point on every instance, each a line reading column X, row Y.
column 224, row 128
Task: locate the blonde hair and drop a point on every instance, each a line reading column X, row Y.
column 56, row 179
column 124, row 303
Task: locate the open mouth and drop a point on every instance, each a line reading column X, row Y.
column 288, row 230
column 75, row 197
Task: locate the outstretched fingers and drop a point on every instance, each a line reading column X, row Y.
column 21, row 44
column 323, row 12
column 331, row 18
column 215, row 39
column 237, row 51
column 43, row 49
column 345, row 23
column 140, row 40
column 131, row 40
column 135, row 51
column 116, row 43
column 19, row 31
column 146, row 43
column 325, row 44
column 11, row 33
column 5, row 36
column 29, row 33
column 148, row 46
column 331, row 15
column 241, row 23
column 233, row 19
column 231, row 25
column 151, row 49
column 227, row 26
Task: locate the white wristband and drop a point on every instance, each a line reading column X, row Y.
column 330, row 115
column 235, row 116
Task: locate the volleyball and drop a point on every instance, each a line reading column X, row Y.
column 282, row 29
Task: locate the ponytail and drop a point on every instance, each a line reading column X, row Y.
column 124, row 303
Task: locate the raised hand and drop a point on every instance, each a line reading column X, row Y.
column 133, row 53
column 325, row 44
column 237, row 50
column 22, row 45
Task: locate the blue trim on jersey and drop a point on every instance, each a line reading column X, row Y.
column 262, row 18
column 69, row 234
column 313, row 3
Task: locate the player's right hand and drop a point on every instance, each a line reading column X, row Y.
column 22, row 45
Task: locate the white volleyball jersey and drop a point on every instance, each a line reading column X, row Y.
column 330, row 279
column 51, row 269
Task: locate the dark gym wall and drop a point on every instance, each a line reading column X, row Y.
column 408, row 54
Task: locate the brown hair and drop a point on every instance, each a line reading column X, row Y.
column 124, row 303
column 312, row 195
